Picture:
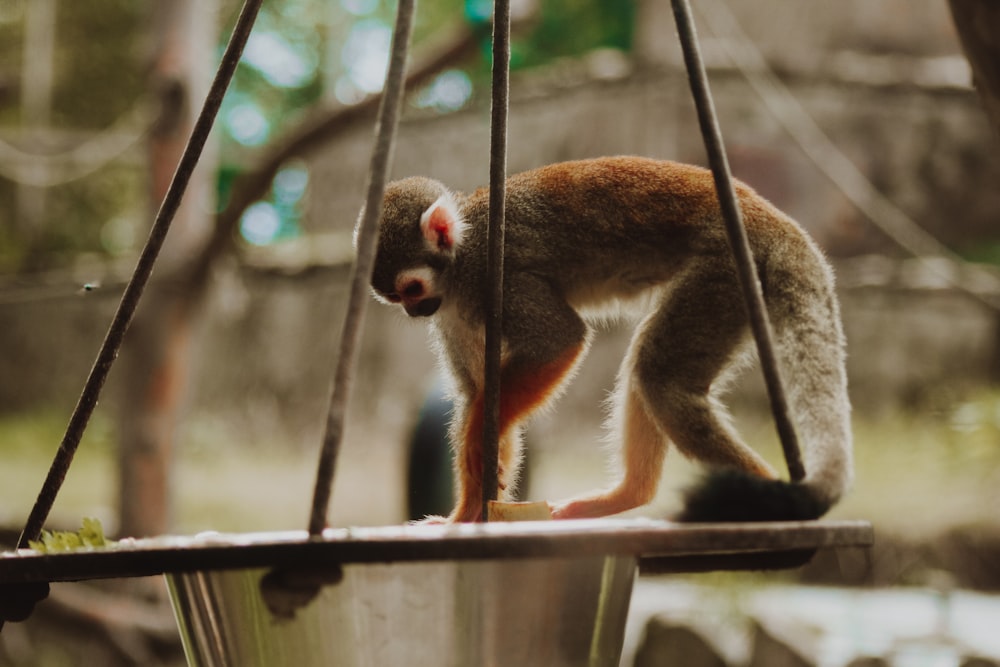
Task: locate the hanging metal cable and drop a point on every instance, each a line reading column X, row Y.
column 385, row 136
column 494, row 256
column 747, row 270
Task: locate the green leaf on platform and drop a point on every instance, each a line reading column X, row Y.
column 90, row 536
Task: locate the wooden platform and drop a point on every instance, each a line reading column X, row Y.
column 660, row 546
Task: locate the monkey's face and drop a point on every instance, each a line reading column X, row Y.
column 418, row 235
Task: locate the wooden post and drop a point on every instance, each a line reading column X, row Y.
column 156, row 356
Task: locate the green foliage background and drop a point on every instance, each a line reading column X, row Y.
column 101, row 72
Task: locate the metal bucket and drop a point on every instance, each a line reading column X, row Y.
column 547, row 612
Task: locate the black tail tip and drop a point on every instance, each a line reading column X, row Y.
column 731, row 495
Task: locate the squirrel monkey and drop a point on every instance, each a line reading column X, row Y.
column 588, row 240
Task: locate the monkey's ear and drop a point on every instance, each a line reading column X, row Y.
column 441, row 224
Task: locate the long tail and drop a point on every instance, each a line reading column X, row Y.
column 810, row 344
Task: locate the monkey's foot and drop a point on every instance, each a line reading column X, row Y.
column 591, row 507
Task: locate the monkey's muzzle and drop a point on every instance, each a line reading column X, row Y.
column 423, row 308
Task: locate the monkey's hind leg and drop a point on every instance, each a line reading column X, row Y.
column 665, row 389
column 644, row 448
column 691, row 346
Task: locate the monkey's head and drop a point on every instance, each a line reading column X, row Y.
column 419, row 232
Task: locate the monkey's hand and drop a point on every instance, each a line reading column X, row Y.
column 464, row 513
column 430, row 520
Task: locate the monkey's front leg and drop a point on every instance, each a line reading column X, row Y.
column 525, row 386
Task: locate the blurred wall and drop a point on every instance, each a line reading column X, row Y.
column 270, row 334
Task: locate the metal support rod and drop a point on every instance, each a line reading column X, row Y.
column 494, row 257
column 385, row 136
column 747, row 270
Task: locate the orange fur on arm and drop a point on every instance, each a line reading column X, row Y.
column 523, row 390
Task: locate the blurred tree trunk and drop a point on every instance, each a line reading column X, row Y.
column 37, row 83
column 978, row 24
column 157, row 352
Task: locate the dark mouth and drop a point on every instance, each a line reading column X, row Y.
column 424, row 308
